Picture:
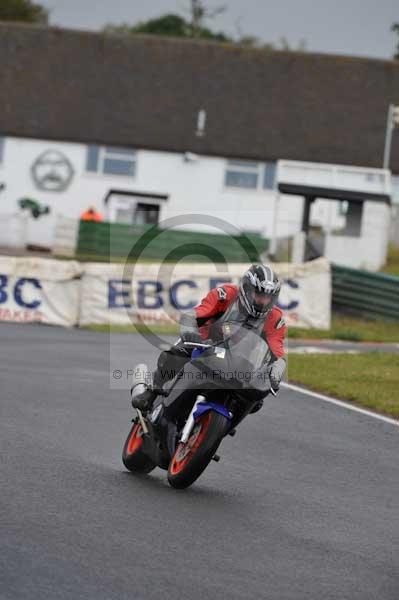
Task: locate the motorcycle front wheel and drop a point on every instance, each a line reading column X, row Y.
column 192, row 458
column 133, row 457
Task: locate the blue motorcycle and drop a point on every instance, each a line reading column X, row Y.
column 221, row 384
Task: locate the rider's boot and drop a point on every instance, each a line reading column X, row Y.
column 143, row 400
column 169, row 363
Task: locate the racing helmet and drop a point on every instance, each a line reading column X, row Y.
column 258, row 290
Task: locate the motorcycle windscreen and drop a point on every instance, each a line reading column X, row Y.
column 245, row 345
column 238, row 361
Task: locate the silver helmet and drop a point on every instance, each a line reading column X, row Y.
column 259, row 290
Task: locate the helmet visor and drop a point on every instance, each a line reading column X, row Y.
column 261, row 299
column 258, row 300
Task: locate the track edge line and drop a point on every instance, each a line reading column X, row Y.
column 341, row 403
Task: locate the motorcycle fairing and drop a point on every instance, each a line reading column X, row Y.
column 204, row 407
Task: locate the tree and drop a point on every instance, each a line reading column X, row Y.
column 395, row 29
column 199, row 13
column 168, row 25
column 249, row 41
column 194, row 27
column 23, row 10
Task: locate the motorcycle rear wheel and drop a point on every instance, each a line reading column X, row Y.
column 132, row 456
column 192, row 458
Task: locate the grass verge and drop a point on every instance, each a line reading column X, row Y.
column 368, row 380
column 160, row 329
column 351, row 329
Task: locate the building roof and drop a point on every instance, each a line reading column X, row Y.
column 146, row 91
column 328, row 193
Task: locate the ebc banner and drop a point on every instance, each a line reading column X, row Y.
column 39, row 290
column 119, row 295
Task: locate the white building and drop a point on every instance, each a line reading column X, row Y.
column 130, row 186
column 146, row 129
column 145, row 186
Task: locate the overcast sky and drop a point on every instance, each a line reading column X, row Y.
column 357, row 27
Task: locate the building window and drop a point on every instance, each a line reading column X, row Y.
column 242, row 174
column 93, row 153
column 269, row 176
column 2, row 141
column 111, row 161
column 250, row 175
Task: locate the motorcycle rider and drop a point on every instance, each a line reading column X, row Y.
column 253, row 302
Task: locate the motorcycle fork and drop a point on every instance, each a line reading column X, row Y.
column 150, row 441
column 142, row 421
column 188, row 427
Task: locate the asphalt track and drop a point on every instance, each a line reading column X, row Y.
column 303, row 505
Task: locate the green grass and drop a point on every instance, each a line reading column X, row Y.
column 352, row 329
column 368, row 380
column 392, row 265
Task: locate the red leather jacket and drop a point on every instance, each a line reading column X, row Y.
column 219, row 299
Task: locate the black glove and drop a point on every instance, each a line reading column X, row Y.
column 191, row 336
column 277, row 371
column 188, row 328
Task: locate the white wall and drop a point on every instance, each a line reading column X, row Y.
column 367, row 251
column 190, row 186
column 195, row 186
column 13, row 229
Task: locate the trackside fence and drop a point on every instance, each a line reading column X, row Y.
column 107, row 241
column 372, row 295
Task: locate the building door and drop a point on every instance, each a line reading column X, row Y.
column 133, row 210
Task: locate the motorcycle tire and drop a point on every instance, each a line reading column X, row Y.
column 132, row 456
column 190, row 459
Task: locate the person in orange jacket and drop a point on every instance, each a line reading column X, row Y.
column 91, row 215
column 253, row 302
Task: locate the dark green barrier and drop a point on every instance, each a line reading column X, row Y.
column 372, row 295
column 108, row 241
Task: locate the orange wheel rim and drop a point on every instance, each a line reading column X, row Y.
column 135, row 439
column 185, row 452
